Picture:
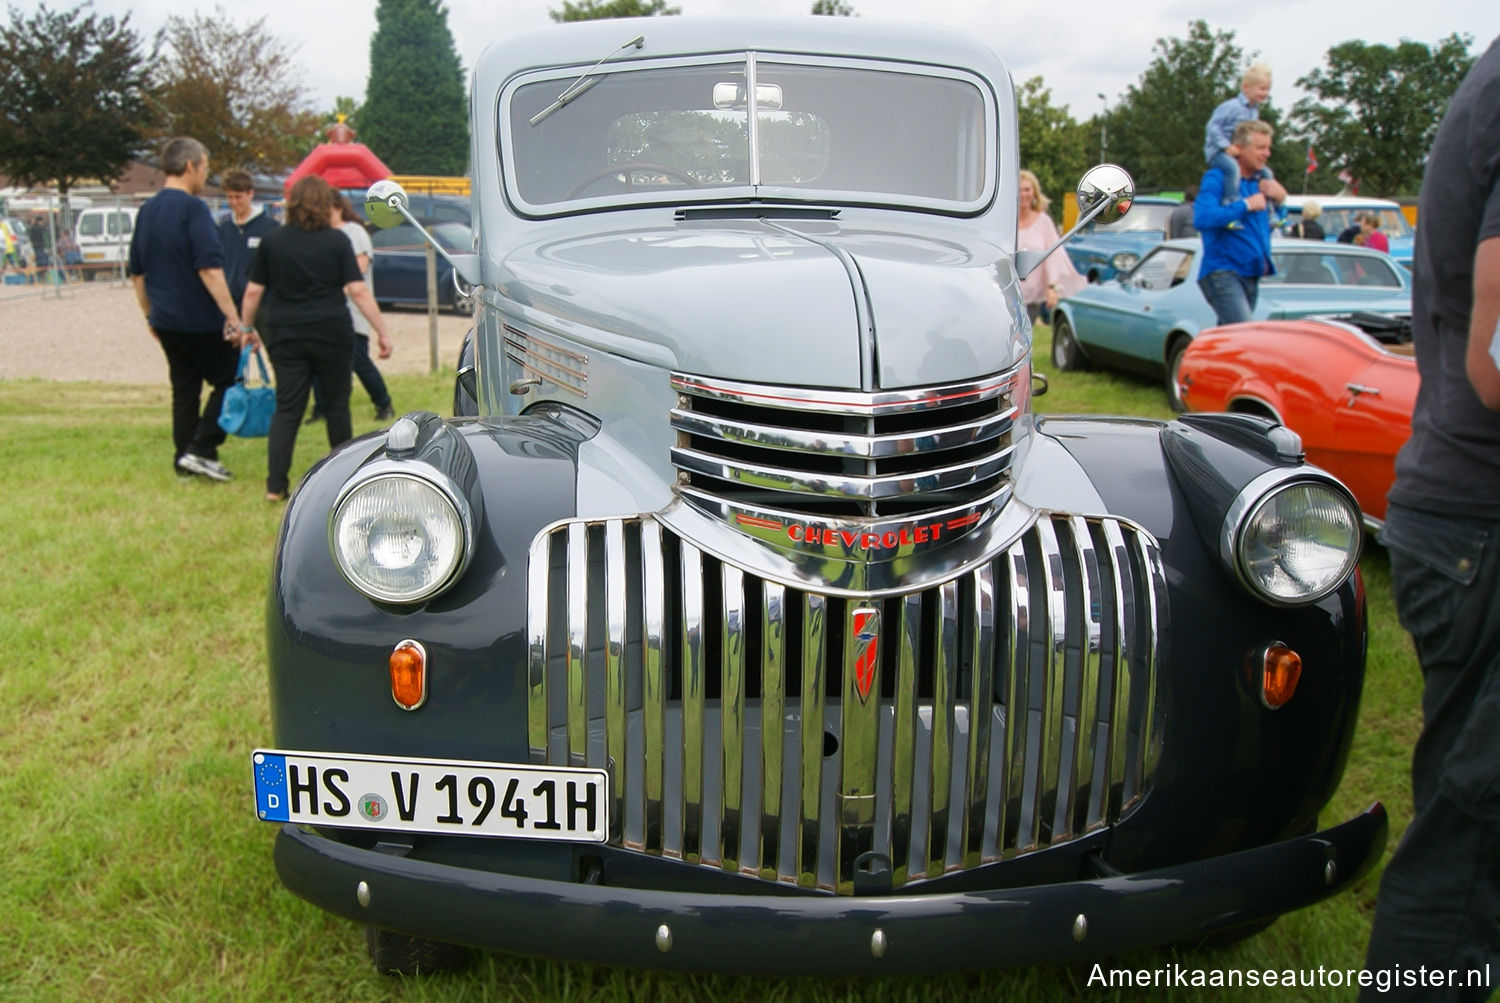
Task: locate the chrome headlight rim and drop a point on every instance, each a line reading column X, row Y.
column 430, row 477
column 1252, row 498
column 1124, row 261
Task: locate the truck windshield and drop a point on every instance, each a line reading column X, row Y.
column 696, row 132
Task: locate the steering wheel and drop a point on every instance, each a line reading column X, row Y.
column 628, row 169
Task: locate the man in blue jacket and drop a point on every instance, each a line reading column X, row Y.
column 1237, row 235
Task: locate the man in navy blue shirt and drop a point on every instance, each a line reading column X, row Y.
column 177, row 267
column 1237, row 235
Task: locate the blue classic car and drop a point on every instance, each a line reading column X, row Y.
column 1100, row 251
column 1339, row 213
column 1142, row 321
column 748, row 617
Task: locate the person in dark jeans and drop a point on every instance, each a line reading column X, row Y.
column 303, row 271
column 1439, row 900
column 1237, row 234
column 364, row 366
column 177, row 269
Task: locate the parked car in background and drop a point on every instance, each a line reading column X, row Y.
column 1345, row 384
column 427, row 209
column 1340, row 212
column 1143, row 320
column 398, row 268
column 1100, row 251
column 103, row 237
column 756, row 622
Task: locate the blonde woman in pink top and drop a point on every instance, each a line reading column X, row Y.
column 1056, row 277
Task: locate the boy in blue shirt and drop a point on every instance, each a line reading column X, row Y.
column 1219, row 149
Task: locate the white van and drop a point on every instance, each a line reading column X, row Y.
column 103, row 235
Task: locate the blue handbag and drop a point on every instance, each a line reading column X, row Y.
column 247, row 410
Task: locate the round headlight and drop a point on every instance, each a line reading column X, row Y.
column 1293, row 541
column 400, row 538
column 1124, row 261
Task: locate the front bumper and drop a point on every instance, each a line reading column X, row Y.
column 822, row 934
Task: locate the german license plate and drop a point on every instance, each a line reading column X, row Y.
column 419, row 795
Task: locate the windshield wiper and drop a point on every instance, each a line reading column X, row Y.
column 585, row 80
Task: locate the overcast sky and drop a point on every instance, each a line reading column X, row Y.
column 1080, row 47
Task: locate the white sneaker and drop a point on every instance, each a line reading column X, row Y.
column 212, row 469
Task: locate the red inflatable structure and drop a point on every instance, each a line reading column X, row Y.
column 341, row 162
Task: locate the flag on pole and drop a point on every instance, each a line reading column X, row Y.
column 1312, row 159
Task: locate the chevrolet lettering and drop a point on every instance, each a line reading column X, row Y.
column 745, row 598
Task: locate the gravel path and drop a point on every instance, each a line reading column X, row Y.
column 94, row 331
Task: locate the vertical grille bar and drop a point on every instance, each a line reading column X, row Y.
column 981, row 700
column 614, row 671
column 860, row 742
column 1054, row 738
column 1017, row 702
column 1079, row 817
column 944, row 687
column 814, row 609
column 732, row 726
column 1113, row 769
column 772, row 709
column 1143, row 762
column 692, row 703
column 653, row 689
column 538, row 573
column 904, row 736
column 578, row 644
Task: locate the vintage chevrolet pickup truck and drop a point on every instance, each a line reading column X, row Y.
column 747, row 616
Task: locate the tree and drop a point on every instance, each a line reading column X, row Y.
column 1156, row 131
column 598, row 10
column 1376, row 109
column 73, row 97
column 1054, row 147
column 237, row 90
column 832, row 8
column 414, row 116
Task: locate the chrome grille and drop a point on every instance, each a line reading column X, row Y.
column 1008, row 710
column 841, row 453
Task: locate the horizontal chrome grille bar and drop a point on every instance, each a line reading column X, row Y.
column 818, row 740
column 833, row 444
column 846, row 486
column 882, row 402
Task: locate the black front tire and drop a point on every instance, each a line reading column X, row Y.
column 1173, row 387
column 399, row 954
column 1066, row 355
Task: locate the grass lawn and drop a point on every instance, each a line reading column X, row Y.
column 135, row 689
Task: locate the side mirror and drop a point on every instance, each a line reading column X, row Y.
column 1107, row 188
column 1104, row 195
column 386, row 204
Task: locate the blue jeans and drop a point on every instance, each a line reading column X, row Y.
column 1439, row 901
column 1230, row 168
column 1231, row 295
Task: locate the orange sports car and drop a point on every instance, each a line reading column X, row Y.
column 1345, row 384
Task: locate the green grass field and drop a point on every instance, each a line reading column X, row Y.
column 133, row 689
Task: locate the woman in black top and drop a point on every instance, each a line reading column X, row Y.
column 304, row 270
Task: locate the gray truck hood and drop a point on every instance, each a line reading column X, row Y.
column 774, row 302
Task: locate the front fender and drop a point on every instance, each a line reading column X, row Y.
column 329, row 645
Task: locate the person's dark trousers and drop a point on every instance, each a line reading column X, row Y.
column 1230, row 294
column 193, row 359
column 1439, row 899
column 299, row 361
column 369, row 378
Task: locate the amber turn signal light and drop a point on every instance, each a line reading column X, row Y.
column 409, row 675
column 1280, row 669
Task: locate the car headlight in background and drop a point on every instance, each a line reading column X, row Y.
column 1292, row 539
column 1124, row 261
column 399, row 535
